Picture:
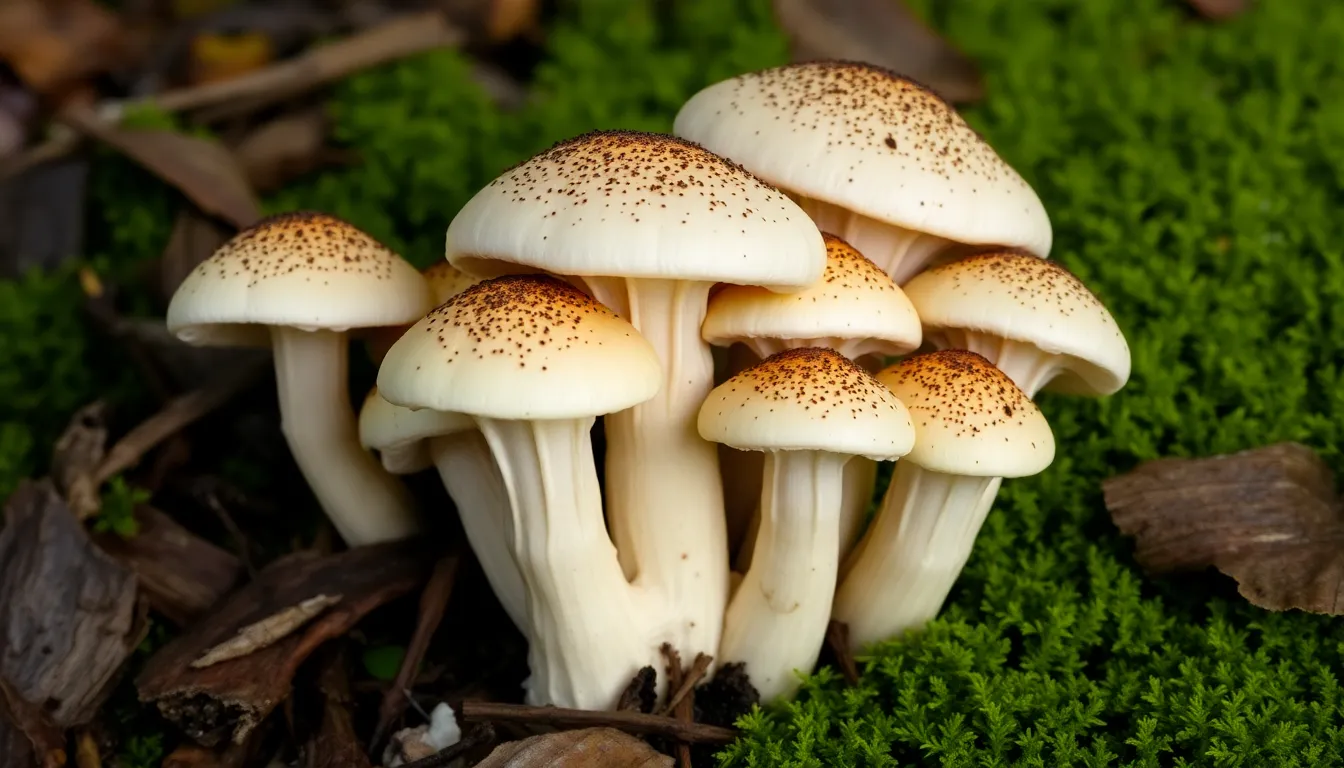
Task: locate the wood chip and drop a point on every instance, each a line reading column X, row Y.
column 267, row 632
column 1268, row 517
column 587, row 748
column 79, row 451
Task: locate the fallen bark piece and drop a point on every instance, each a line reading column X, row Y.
column 267, row 632
column 1268, row 517
column 181, row 574
column 641, row 694
column 79, row 452
column 631, row 722
column 227, row 700
column 27, row 734
column 335, row 744
column 69, row 616
column 195, row 237
column 587, row 748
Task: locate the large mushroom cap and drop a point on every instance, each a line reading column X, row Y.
column 521, row 347
column 630, row 204
column 446, row 281
column 305, row 270
column 970, row 418
column 874, row 142
column 1020, row 297
column 854, row 299
column 809, row 399
column 383, row 425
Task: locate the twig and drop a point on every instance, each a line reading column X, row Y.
column 240, row 542
column 630, row 722
column 680, row 710
column 688, row 683
column 837, row 637
column 481, row 733
column 179, row 413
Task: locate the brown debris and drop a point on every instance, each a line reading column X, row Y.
column 75, row 460
column 181, row 574
column 227, row 700
column 587, row 748
column 195, row 236
column 281, row 150
column 54, row 44
column 837, row 639
column 335, row 745
column 630, row 722
column 684, row 691
column 641, row 694
column 70, row 612
column 1268, row 517
column 266, row 632
column 1219, row 10
column 41, row 214
column 27, row 734
column 881, row 32
column 683, row 709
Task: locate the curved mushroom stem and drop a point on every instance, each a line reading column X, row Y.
column 776, row 622
column 365, row 503
column 589, row 634
column 905, row 566
column 1029, row 366
column 902, row 253
column 664, row 493
column 473, row 481
column 860, row 475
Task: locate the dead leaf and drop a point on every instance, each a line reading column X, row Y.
column 284, row 149
column 588, row 748
column 880, row 32
column 42, row 216
column 1219, row 10
column 267, row 632
column 205, row 171
column 1267, row 517
column 195, row 237
column 75, row 460
column 219, row 56
column 51, row 44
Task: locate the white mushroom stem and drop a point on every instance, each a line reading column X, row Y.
column 588, row 632
column 664, row 493
column 902, row 253
column 777, row 619
column 365, row 503
column 1029, row 366
column 472, row 480
column 902, row 571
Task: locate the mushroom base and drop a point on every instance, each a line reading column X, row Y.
column 1030, row 367
column 900, row 574
column 776, row 622
column 364, row 502
column 902, row 253
column 588, row 633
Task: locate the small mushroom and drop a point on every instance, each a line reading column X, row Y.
column 973, row 427
column 873, row 157
column 810, row 410
column 648, row 224
column 1030, row 317
column 298, row 282
column 855, row 309
column 534, row 360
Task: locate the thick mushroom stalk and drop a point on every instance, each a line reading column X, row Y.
column 973, row 427
column 1030, row 317
column 299, row 282
column 873, row 157
column 533, row 361
column 810, row 410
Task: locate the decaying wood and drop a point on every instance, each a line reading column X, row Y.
column 641, row 694
column 69, row 616
column 266, row 632
column 180, row 573
column 837, row 639
column 1267, row 517
column 682, row 709
column 227, row 700
column 587, row 748
column 75, row 460
column 335, row 745
column 27, row 734
column 631, row 722
column 686, row 688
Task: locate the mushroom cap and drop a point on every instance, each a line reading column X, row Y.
column 632, row 204
column 383, row 425
column 521, row 347
column 807, row 399
column 446, row 281
column 970, row 418
column 1020, row 297
column 854, row 299
column 871, row 141
column 305, row 270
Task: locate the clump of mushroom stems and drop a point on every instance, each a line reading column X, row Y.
column 901, row 252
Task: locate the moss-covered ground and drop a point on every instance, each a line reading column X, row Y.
column 1195, row 177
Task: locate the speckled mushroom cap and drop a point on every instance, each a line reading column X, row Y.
column 970, row 418
column 1020, row 297
column 808, row 399
column 521, row 347
column 630, row 204
column 446, row 281
column 305, row 270
column 384, row 426
column 854, row 301
column 873, row 142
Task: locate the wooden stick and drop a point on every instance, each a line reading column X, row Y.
column 630, row 722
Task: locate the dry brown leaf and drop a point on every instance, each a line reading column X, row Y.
column 1267, row 517
column 195, row 237
column 215, row 57
column 881, row 32
column 1218, row 10
column 51, row 44
column 588, row 748
column 267, row 632
column 283, row 149
column 205, row 171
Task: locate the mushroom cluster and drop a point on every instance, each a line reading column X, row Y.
column 818, row 219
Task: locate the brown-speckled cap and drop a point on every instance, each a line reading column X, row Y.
column 447, row 281
column 521, row 347
column 305, row 270
column 970, row 419
column 873, row 142
column 808, row 399
column 631, row 204
column 1020, row 297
